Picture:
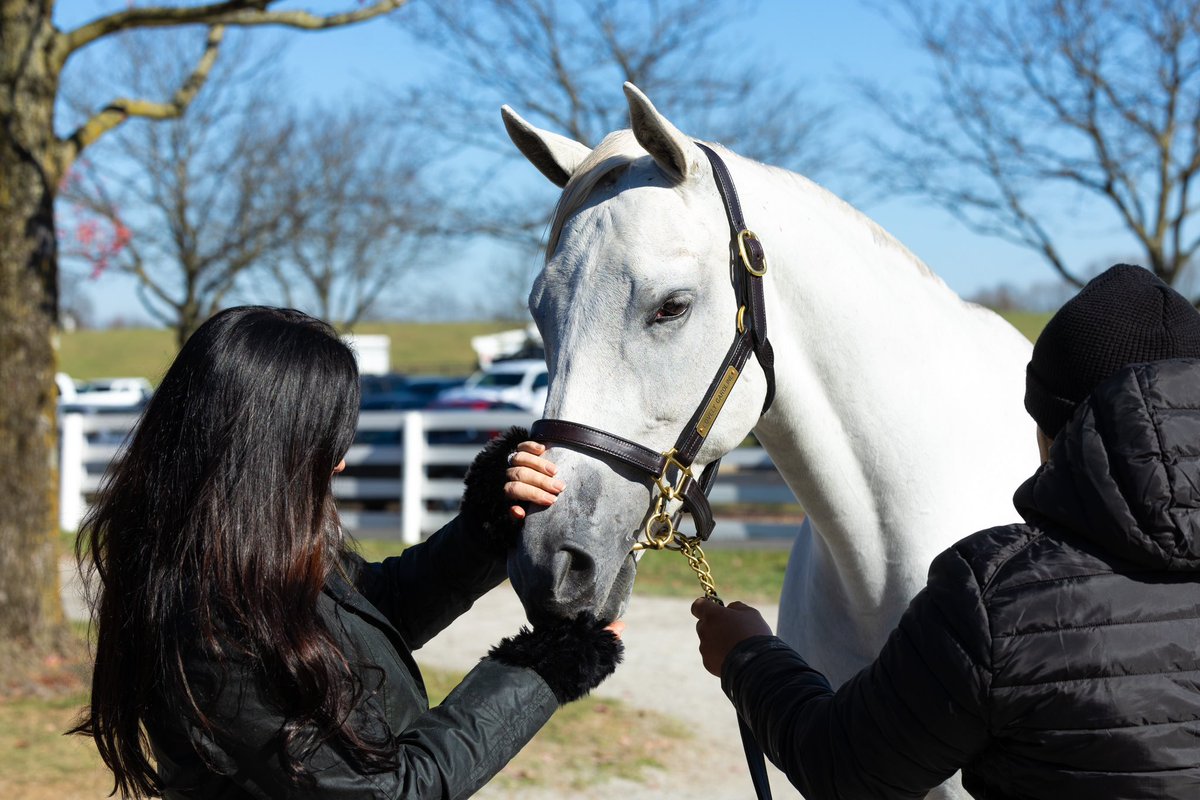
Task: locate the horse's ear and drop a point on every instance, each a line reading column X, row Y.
column 675, row 153
column 557, row 157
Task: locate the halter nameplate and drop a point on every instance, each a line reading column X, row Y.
column 724, row 389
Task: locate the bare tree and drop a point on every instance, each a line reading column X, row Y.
column 1043, row 103
column 33, row 161
column 361, row 215
column 561, row 64
column 196, row 201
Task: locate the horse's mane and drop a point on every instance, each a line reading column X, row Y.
column 882, row 237
column 620, row 149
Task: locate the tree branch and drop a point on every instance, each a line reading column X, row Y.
column 147, row 288
column 232, row 12
column 1034, row 96
column 121, row 109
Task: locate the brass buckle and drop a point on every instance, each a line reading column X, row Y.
column 660, row 530
column 665, row 489
column 742, row 236
column 741, row 319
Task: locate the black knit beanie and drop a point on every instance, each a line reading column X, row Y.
column 1125, row 315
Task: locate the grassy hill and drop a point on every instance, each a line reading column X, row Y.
column 419, row 348
column 1029, row 323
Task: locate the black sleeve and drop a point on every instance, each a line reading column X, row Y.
column 448, row 752
column 900, row 727
column 432, row 583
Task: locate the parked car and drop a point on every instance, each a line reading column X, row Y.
column 66, row 388
column 521, row 382
column 471, row 435
column 398, row 392
column 116, row 395
column 473, row 404
column 388, row 392
column 430, row 387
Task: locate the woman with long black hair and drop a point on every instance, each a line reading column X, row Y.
column 244, row 650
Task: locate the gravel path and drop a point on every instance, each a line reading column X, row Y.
column 661, row 672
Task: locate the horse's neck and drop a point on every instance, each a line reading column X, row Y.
column 898, row 421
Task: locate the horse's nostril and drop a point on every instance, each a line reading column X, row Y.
column 572, row 567
column 581, row 561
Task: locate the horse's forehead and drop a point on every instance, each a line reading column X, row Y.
column 635, row 232
column 628, row 228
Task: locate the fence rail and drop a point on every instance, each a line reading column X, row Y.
column 403, row 477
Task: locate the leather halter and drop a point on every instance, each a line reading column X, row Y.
column 671, row 471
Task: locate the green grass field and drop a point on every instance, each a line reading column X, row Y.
column 1029, row 323
column 417, row 348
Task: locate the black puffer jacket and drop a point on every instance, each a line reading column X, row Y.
column 1056, row 659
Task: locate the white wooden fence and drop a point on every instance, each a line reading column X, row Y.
column 403, row 477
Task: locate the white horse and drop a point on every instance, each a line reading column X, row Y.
column 898, row 421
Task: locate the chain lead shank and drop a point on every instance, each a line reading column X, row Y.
column 690, row 547
column 664, row 536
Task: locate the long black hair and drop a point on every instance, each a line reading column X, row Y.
column 217, row 531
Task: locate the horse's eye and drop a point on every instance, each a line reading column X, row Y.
column 672, row 309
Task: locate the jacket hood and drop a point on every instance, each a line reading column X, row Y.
column 1124, row 472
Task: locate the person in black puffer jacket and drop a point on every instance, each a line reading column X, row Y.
column 1058, row 658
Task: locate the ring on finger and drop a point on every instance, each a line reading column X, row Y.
column 511, row 456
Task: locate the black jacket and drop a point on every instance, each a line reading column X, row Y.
column 391, row 608
column 1055, row 659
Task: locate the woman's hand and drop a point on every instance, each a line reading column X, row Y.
column 720, row 628
column 530, row 478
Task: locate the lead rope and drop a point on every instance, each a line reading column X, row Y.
column 753, row 259
column 689, row 546
column 662, row 533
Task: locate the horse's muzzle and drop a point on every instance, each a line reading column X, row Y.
column 564, row 584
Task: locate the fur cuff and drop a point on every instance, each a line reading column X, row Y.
column 572, row 656
column 484, row 505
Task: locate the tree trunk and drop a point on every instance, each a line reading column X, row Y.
column 30, row 607
column 190, row 317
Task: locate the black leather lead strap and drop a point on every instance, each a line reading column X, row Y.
column 756, row 762
column 596, row 441
column 748, row 263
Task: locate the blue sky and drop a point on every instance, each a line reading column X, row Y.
column 823, row 44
